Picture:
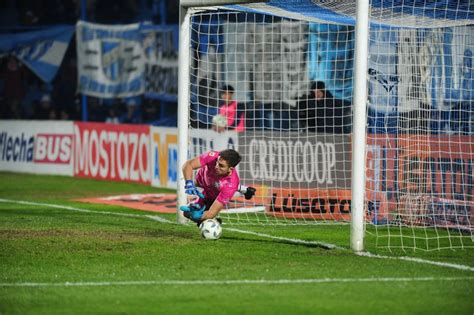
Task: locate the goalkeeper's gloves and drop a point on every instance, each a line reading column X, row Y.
column 249, row 193
column 190, row 189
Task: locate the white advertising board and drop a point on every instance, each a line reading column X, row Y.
column 41, row 147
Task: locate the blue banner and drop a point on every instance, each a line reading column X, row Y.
column 42, row 51
column 160, row 47
column 414, row 71
column 110, row 60
column 331, row 57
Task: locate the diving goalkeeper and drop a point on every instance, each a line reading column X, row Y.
column 217, row 177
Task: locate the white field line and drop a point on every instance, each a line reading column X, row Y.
column 419, row 260
column 286, row 239
column 289, row 240
column 141, row 216
column 231, row 282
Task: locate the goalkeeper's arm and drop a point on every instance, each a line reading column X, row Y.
column 189, row 166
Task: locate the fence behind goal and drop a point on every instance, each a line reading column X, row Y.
column 288, row 71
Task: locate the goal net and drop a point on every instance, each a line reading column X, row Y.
column 275, row 81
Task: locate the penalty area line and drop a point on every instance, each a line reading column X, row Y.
column 231, row 282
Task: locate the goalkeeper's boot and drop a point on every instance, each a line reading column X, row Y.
column 250, row 193
column 185, row 208
column 192, row 207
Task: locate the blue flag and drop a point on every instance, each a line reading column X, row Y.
column 42, row 51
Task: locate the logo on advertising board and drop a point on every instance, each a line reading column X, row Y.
column 112, row 152
column 16, row 148
column 425, row 175
column 207, row 140
column 284, row 159
column 323, row 204
column 306, row 177
column 53, row 148
column 316, row 204
column 164, row 157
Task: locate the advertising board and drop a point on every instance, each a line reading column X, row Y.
column 41, row 147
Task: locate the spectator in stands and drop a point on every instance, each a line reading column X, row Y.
column 64, row 114
column 149, row 111
column 132, row 113
column 208, row 92
column 112, row 117
column 75, row 109
column 207, row 103
column 30, row 18
column 95, row 109
column 64, row 88
column 13, row 76
column 45, row 108
column 33, row 96
column 320, row 112
column 229, row 109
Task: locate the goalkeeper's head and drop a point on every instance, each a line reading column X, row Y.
column 232, row 157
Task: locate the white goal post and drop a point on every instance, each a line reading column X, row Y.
column 357, row 112
column 359, row 131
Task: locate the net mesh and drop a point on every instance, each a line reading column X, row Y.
column 283, row 90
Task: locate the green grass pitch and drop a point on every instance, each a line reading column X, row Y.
column 103, row 261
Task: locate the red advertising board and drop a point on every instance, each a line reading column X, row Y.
column 112, row 152
column 436, row 171
column 424, row 175
column 437, row 165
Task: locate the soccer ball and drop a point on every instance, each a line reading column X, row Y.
column 210, row 229
column 220, row 121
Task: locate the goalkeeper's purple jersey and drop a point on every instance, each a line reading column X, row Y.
column 216, row 187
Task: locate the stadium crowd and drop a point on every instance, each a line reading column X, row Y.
column 23, row 95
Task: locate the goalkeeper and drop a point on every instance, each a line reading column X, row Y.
column 219, row 181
